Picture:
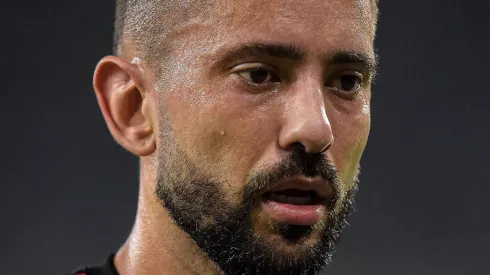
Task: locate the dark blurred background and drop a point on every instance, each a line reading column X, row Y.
column 69, row 192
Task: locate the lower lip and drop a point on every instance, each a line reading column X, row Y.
column 294, row 214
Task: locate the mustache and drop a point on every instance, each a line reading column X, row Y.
column 297, row 163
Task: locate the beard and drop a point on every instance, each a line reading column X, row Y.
column 225, row 231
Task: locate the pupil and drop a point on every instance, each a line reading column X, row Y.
column 259, row 76
column 349, row 82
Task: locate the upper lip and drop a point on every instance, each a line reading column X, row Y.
column 323, row 188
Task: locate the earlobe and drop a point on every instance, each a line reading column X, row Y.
column 121, row 96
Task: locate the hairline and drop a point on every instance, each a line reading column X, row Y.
column 126, row 26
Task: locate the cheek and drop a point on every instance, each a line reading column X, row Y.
column 351, row 131
column 224, row 135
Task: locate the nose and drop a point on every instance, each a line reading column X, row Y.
column 306, row 122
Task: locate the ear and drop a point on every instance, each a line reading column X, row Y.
column 124, row 104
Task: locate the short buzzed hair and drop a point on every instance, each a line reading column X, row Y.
column 135, row 19
column 119, row 18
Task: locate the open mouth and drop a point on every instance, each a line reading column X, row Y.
column 298, row 202
column 294, row 197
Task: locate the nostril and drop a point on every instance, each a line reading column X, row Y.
column 309, row 135
column 326, row 146
column 299, row 147
column 309, row 148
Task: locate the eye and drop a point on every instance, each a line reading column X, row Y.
column 258, row 76
column 347, row 82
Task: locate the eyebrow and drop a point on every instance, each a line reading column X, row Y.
column 260, row 49
column 295, row 53
column 346, row 57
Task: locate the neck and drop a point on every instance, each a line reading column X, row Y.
column 156, row 245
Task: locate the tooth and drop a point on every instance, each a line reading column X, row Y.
column 275, row 197
column 309, row 198
column 282, row 198
column 303, row 199
column 298, row 200
column 295, row 200
column 306, row 199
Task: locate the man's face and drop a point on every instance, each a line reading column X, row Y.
column 264, row 114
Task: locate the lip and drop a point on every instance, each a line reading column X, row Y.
column 307, row 214
column 323, row 188
column 294, row 214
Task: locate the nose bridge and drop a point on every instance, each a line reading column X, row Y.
column 306, row 121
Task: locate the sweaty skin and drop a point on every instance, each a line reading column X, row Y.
column 202, row 103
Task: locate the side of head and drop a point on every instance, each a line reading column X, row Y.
column 254, row 115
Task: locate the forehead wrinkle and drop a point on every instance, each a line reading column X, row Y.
column 142, row 30
column 356, row 12
column 206, row 28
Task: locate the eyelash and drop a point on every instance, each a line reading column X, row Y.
column 269, row 78
column 360, row 81
column 247, row 68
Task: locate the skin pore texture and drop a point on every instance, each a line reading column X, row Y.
column 242, row 95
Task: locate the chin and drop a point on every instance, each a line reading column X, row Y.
column 288, row 239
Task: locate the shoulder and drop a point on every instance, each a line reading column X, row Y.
column 88, row 271
column 107, row 268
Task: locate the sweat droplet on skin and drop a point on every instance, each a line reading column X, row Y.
column 365, row 109
column 136, row 60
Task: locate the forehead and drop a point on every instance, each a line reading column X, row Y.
column 313, row 25
column 307, row 13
